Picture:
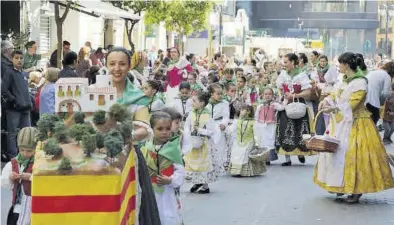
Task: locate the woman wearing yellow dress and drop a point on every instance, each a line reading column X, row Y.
column 360, row 164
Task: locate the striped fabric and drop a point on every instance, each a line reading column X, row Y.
column 86, row 199
column 27, row 138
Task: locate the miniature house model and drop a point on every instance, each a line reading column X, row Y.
column 75, row 94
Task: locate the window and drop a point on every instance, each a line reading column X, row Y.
column 111, row 97
column 91, row 97
column 101, row 100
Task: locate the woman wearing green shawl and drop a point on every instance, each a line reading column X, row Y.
column 118, row 63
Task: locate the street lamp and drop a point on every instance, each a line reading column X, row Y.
column 386, row 11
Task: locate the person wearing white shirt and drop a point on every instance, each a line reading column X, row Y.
column 379, row 87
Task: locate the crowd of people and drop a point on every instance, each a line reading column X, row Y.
column 210, row 117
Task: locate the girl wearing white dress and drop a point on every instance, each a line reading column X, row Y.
column 243, row 132
column 164, row 160
column 183, row 103
column 220, row 113
column 203, row 163
column 151, row 89
column 265, row 117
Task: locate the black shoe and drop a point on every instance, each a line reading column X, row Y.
column 301, row 159
column 195, row 188
column 203, row 191
column 268, row 163
column 286, row 163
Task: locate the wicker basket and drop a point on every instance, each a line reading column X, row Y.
column 321, row 143
column 260, row 155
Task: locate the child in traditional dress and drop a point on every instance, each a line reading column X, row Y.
column 242, row 95
column 244, row 142
column 195, row 85
column 183, row 103
column 229, row 97
column 253, row 90
column 17, row 175
column 266, row 122
column 151, row 90
column 203, row 163
column 220, row 113
column 164, row 160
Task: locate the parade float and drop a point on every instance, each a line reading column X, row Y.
column 84, row 171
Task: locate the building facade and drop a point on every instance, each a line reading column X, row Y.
column 341, row 25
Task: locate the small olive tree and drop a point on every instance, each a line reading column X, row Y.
column 89, row 144
column 65, row 166
column 52, row 148
column 46, row 126
column 79, row 117
column 99, row 117
column 77, row 131
column 119, row 113
column 113, row 141
column 61, row 132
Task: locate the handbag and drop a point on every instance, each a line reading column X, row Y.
column 295, row 110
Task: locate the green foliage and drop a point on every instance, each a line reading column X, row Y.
column 65, row 165
column 100, row 140
column 46, row 125
column 77, row 131
column 126, row 128
column 99, row 117
column 185, row 16
column 89, row 144
column 119, row 113
column 113, row 141
column 61, row 132
column 52, row 147
column 79, row 117
column 135, row 6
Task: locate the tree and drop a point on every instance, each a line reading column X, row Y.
column 183, row 17
column 89, row 144
column 100, row 140
column 52, row 148
column 119, row 113
column 79, row 117
column 99, row 117
column 137, row 7
column 126, row 129
column 65, row 166
column 46, row 126
column 77, row 131
column 113, row 141
column 61, row 132
column 59, row 28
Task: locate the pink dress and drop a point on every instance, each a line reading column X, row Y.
column 176, row 73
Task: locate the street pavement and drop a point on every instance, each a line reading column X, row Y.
column 281, row 196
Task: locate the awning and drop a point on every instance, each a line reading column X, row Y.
column 98, row 8
column 107, row 10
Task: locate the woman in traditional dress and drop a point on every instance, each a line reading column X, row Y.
column 138, row 63
column 203, row 164
column 177, row 70
column 360, row 164
column 295, row 85
column 326, row 78
column 243, row 131
column 118, row 63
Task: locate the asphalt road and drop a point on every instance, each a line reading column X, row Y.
column 282, row 196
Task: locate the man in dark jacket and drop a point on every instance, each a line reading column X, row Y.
column 53, row 59
column 14, row 90
column 6, row 50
